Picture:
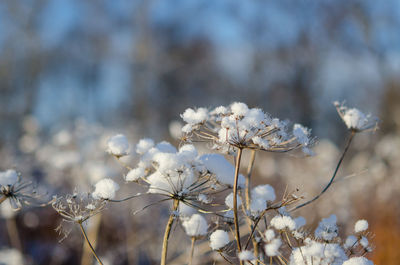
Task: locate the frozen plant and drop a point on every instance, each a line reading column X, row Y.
column 236, row 127
column 17, row 191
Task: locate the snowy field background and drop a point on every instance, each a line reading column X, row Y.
column 74, row 73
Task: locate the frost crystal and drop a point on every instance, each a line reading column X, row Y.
column 118, row 145
column 8, row 177
column 360, row 226
column 105, row 189
column 195, row 226
column 219, row 239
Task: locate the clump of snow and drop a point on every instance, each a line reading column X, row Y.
column 223, row 170
column 246, row 255
column 135, row 174
column 272, row 247
column 364, row 242
column 354, row 119
column 282, row 222
column 219, row 239
column 269, row 234
column 360, row 226
column 229, row 200
column 105, row 189
column 351, row 241
column 118, row 145
column 195, row 226
column 8, row 177
column 193, row 117
column 259, row 197
column 239, row 109
column 317, row 253
column 358, row 261
column 144, row 145
column 327, row 228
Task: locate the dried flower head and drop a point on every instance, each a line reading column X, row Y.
column 240, row 127
column 354, row 119
column 18, row 192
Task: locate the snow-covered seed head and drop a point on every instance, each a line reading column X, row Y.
column 238, row 126
column 283, row 222
column 354, row 119
column 195, row 226
column 246, row 255
column 105, row 189
column 360, row 226
column 219, row 239
column 118, row 145
column 327, row 228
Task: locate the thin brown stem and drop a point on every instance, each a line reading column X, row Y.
column 333, row 176
column 192, row 250
column 248, row 196
column 90, row 245
column 235, row 206
column 167, row 232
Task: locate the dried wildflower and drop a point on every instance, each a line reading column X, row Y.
column 240, row 127
column 354, row 119
column 77, row 208
column 18, row 192
column 219, row 239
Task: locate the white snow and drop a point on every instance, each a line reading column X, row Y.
column 105, row 189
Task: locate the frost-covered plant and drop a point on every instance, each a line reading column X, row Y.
column 236, row 127
column 18, row 192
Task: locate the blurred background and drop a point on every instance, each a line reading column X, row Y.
column 73, row 73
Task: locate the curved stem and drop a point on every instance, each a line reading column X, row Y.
column 192, row 250
column 235, row 206
column 90, row 245
column 2, row 199
column 334, row 174
column 167, row 232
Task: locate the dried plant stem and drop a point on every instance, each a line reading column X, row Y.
column 333, row 176
column 167, row 232
column 93, row 233
column 192, row 250
column 2, row 199
column 235, row 206
column 90, row 245
column 13, row 233
column 248, row 196
column 225, row 258
column 248, row 176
